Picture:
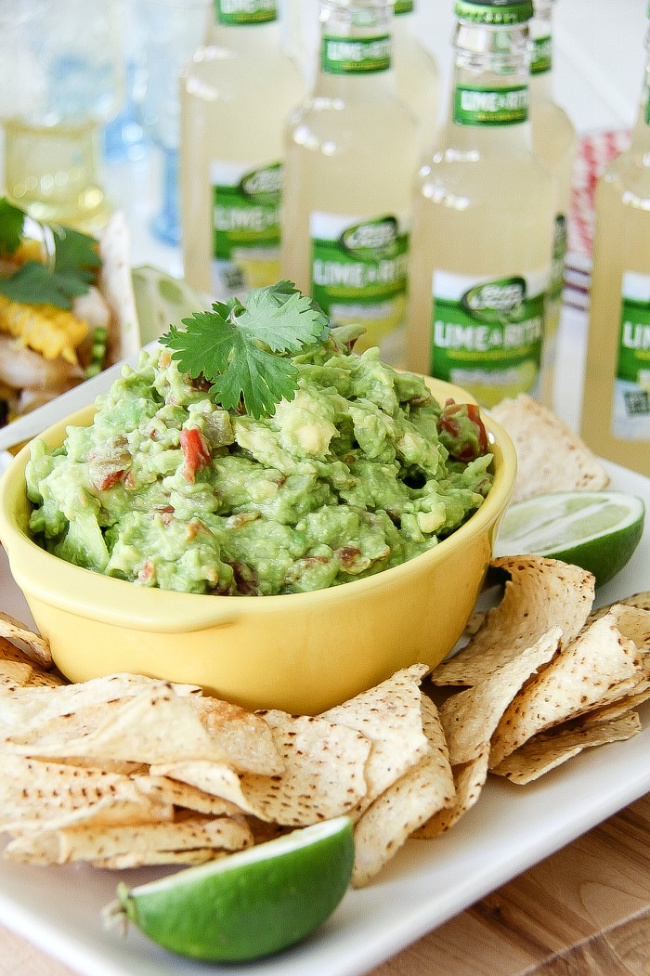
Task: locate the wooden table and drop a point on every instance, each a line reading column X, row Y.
column 585, row 911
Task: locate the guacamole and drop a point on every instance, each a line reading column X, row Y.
column 360, row 471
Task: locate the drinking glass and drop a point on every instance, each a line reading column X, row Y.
column 61, row 79
column 170, row 32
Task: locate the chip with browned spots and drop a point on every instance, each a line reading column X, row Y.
column 539, row 595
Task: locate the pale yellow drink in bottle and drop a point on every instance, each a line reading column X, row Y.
column 416, row 70
column 555, row 142
column 483, row 219
column 616, row 403
column 351, row 152
column 235, row 96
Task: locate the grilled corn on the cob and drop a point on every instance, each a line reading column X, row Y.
column 50, row 331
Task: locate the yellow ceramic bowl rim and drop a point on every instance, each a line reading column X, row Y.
column 122, row 603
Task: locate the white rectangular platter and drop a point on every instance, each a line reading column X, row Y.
column 509, row 829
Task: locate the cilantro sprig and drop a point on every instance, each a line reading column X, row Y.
column 74, row 269
column 244, row 351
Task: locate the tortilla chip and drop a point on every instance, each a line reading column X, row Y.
column 116, row 285
column 469, row 780
column 470, row 717
column 169, row 791
column 550, row 456
column 152, row 858
column 87, row 843
column 409, row 802
column 217, row 779
column 639, row 600
column 34, row 793
column 323, row 776
column 601, row 665
column 607, row 713
column 244, row 738
column 36, row 648
column 547, row 751
column 136, row 729
column 390, row 715
column 35, row 705
column 541, row 594
column 13, row 675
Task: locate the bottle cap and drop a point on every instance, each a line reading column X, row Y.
column 494, row 12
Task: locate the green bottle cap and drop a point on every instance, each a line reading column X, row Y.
column 494, row 12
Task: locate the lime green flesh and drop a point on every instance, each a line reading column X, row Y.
column 162, row 299
column 597, row 530
column 249, row 904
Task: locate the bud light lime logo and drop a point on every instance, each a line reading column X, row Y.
column 496, row 301
column 371, row 238
column 261, row 183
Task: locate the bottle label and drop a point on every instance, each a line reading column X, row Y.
column 487, row 332
column 493, row 13
column 359, row 271
column 631, row 406
column 246, row 225
column 351, row 56
column 542, row 55
column 237, row 13
column 474, row 105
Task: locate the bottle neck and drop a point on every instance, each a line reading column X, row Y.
column 404, row 16
column 241, row 24
column 356, row 48
column 490, row 90
column 541, row 50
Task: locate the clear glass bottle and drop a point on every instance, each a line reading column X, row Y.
column 61, row 79
column 351, row 154
column 483, row 219
column 616, row 401
column 235, row 96
column 416, row 70
column 555, row 141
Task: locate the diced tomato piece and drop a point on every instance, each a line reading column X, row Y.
column 462, row 431
column 196, row 452
column 109, row 480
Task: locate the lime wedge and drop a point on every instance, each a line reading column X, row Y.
column 597, row 530
column 162, row 300
column 249, row 904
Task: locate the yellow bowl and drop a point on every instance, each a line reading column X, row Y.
column 301, row 652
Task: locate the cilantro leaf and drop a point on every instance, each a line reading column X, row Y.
column 284, row 322
column 259, row 379
column 11, row 225
column 76, row 264
column 34, row 284
column 242, row 350
column 76, row 254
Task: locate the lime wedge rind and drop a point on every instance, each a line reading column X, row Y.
column 597, row 530
column 247, row 905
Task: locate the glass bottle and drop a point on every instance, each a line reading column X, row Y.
column 351, row 154
column 483, row 218
column 235, row 96
column 555, row 141
column 616, row 402
column 61, row 79
column 416, row 70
